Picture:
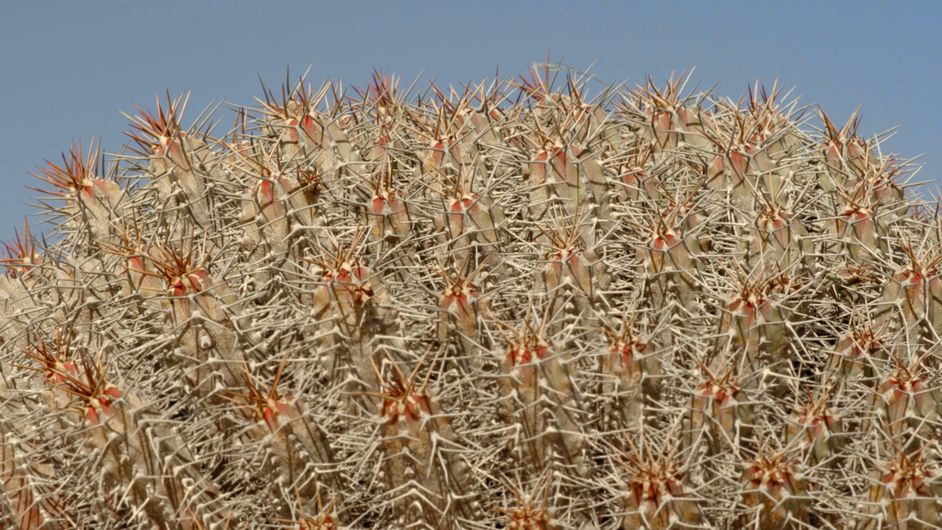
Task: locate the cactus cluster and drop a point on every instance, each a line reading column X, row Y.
column 505, row 305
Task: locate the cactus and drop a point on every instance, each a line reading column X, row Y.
column 518, row 304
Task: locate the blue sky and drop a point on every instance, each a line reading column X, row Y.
column 68, row 68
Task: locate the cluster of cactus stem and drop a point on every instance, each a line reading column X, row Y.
column 506, row 305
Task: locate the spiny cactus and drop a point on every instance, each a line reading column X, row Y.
column 511, row 305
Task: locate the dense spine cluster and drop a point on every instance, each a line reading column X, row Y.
column 511, row 305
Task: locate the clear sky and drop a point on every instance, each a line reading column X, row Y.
column 69, row 67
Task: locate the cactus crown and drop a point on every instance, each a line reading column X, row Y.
column 524, row 303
